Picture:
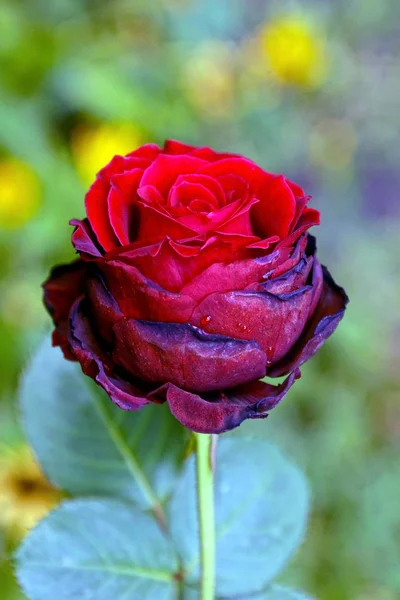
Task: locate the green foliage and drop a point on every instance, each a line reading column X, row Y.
column 88, row 446
column 97, row 550
column 261, row 511
column 273, row 593
column 100, row 547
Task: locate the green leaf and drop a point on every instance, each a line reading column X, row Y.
column 261, row 504
column 88, row 446
column 273, row 593
column 281, row 593
column 97, row 550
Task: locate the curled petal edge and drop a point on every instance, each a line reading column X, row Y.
column 223, row 411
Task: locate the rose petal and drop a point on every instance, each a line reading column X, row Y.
column 163, row 172
column 172, row 265
column 155, row 224
column 292, row 280
column 275, row 322
column 64, row 285
column 97, row 365
column 104, row 311
column 185, row 192
column 209, row 183
column 96, row 202
column 141, row 298
column 175, row 147
column 276, row 209
column 242, row 167
column 221, row 412
column 328, row 313
column 122, row 199
column 185, row 356
column 121, row 164
column 295, row 256
column 222, row 277
column 83, row 238
column 147, row 151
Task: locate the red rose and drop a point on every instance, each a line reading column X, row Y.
column 196, row 278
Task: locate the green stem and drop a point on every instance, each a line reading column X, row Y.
column 205, row 494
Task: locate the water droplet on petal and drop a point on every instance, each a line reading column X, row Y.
column 269, row 353
column 205, row 320
column 242, row 326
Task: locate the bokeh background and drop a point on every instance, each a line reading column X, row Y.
column 309, row 88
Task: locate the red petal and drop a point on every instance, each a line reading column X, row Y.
column 141, row 298
column 276, row 209
column 121, row 164
column 175, row 147
column 96, row 201
column 185, row 192
column 274, row 322
column 185, row 356
column 147, row 151
column 155, row 224
column 121, row 202
column 163, row 172
column 253, row 175
column 222, row 277
column 209, row 183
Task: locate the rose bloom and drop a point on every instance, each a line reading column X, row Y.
column 196, row 277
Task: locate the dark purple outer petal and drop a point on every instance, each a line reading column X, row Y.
column 97, row 364
column 326, row 317
column 186, row 356
column 226, row 410
column 64, row 285
column 214, row 413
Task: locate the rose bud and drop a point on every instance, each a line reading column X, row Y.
column 196, row 278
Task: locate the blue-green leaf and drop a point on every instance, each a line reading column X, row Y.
column 97, row 550
column 88, row 446
column 277, row 592
column 261, row 504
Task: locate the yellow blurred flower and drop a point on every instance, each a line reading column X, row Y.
column 333, row 143
column 295, row 51
column 19, row 193
column 208, row 79
column 25, row 494
column 94, row 146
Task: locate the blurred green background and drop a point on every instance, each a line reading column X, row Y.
column 308, row 88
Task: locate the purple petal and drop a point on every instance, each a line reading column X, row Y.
column 128, row 395
column 186, row 356
column 224, row 411
column 83, row 238
column 327, row 315
column 104, row 311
